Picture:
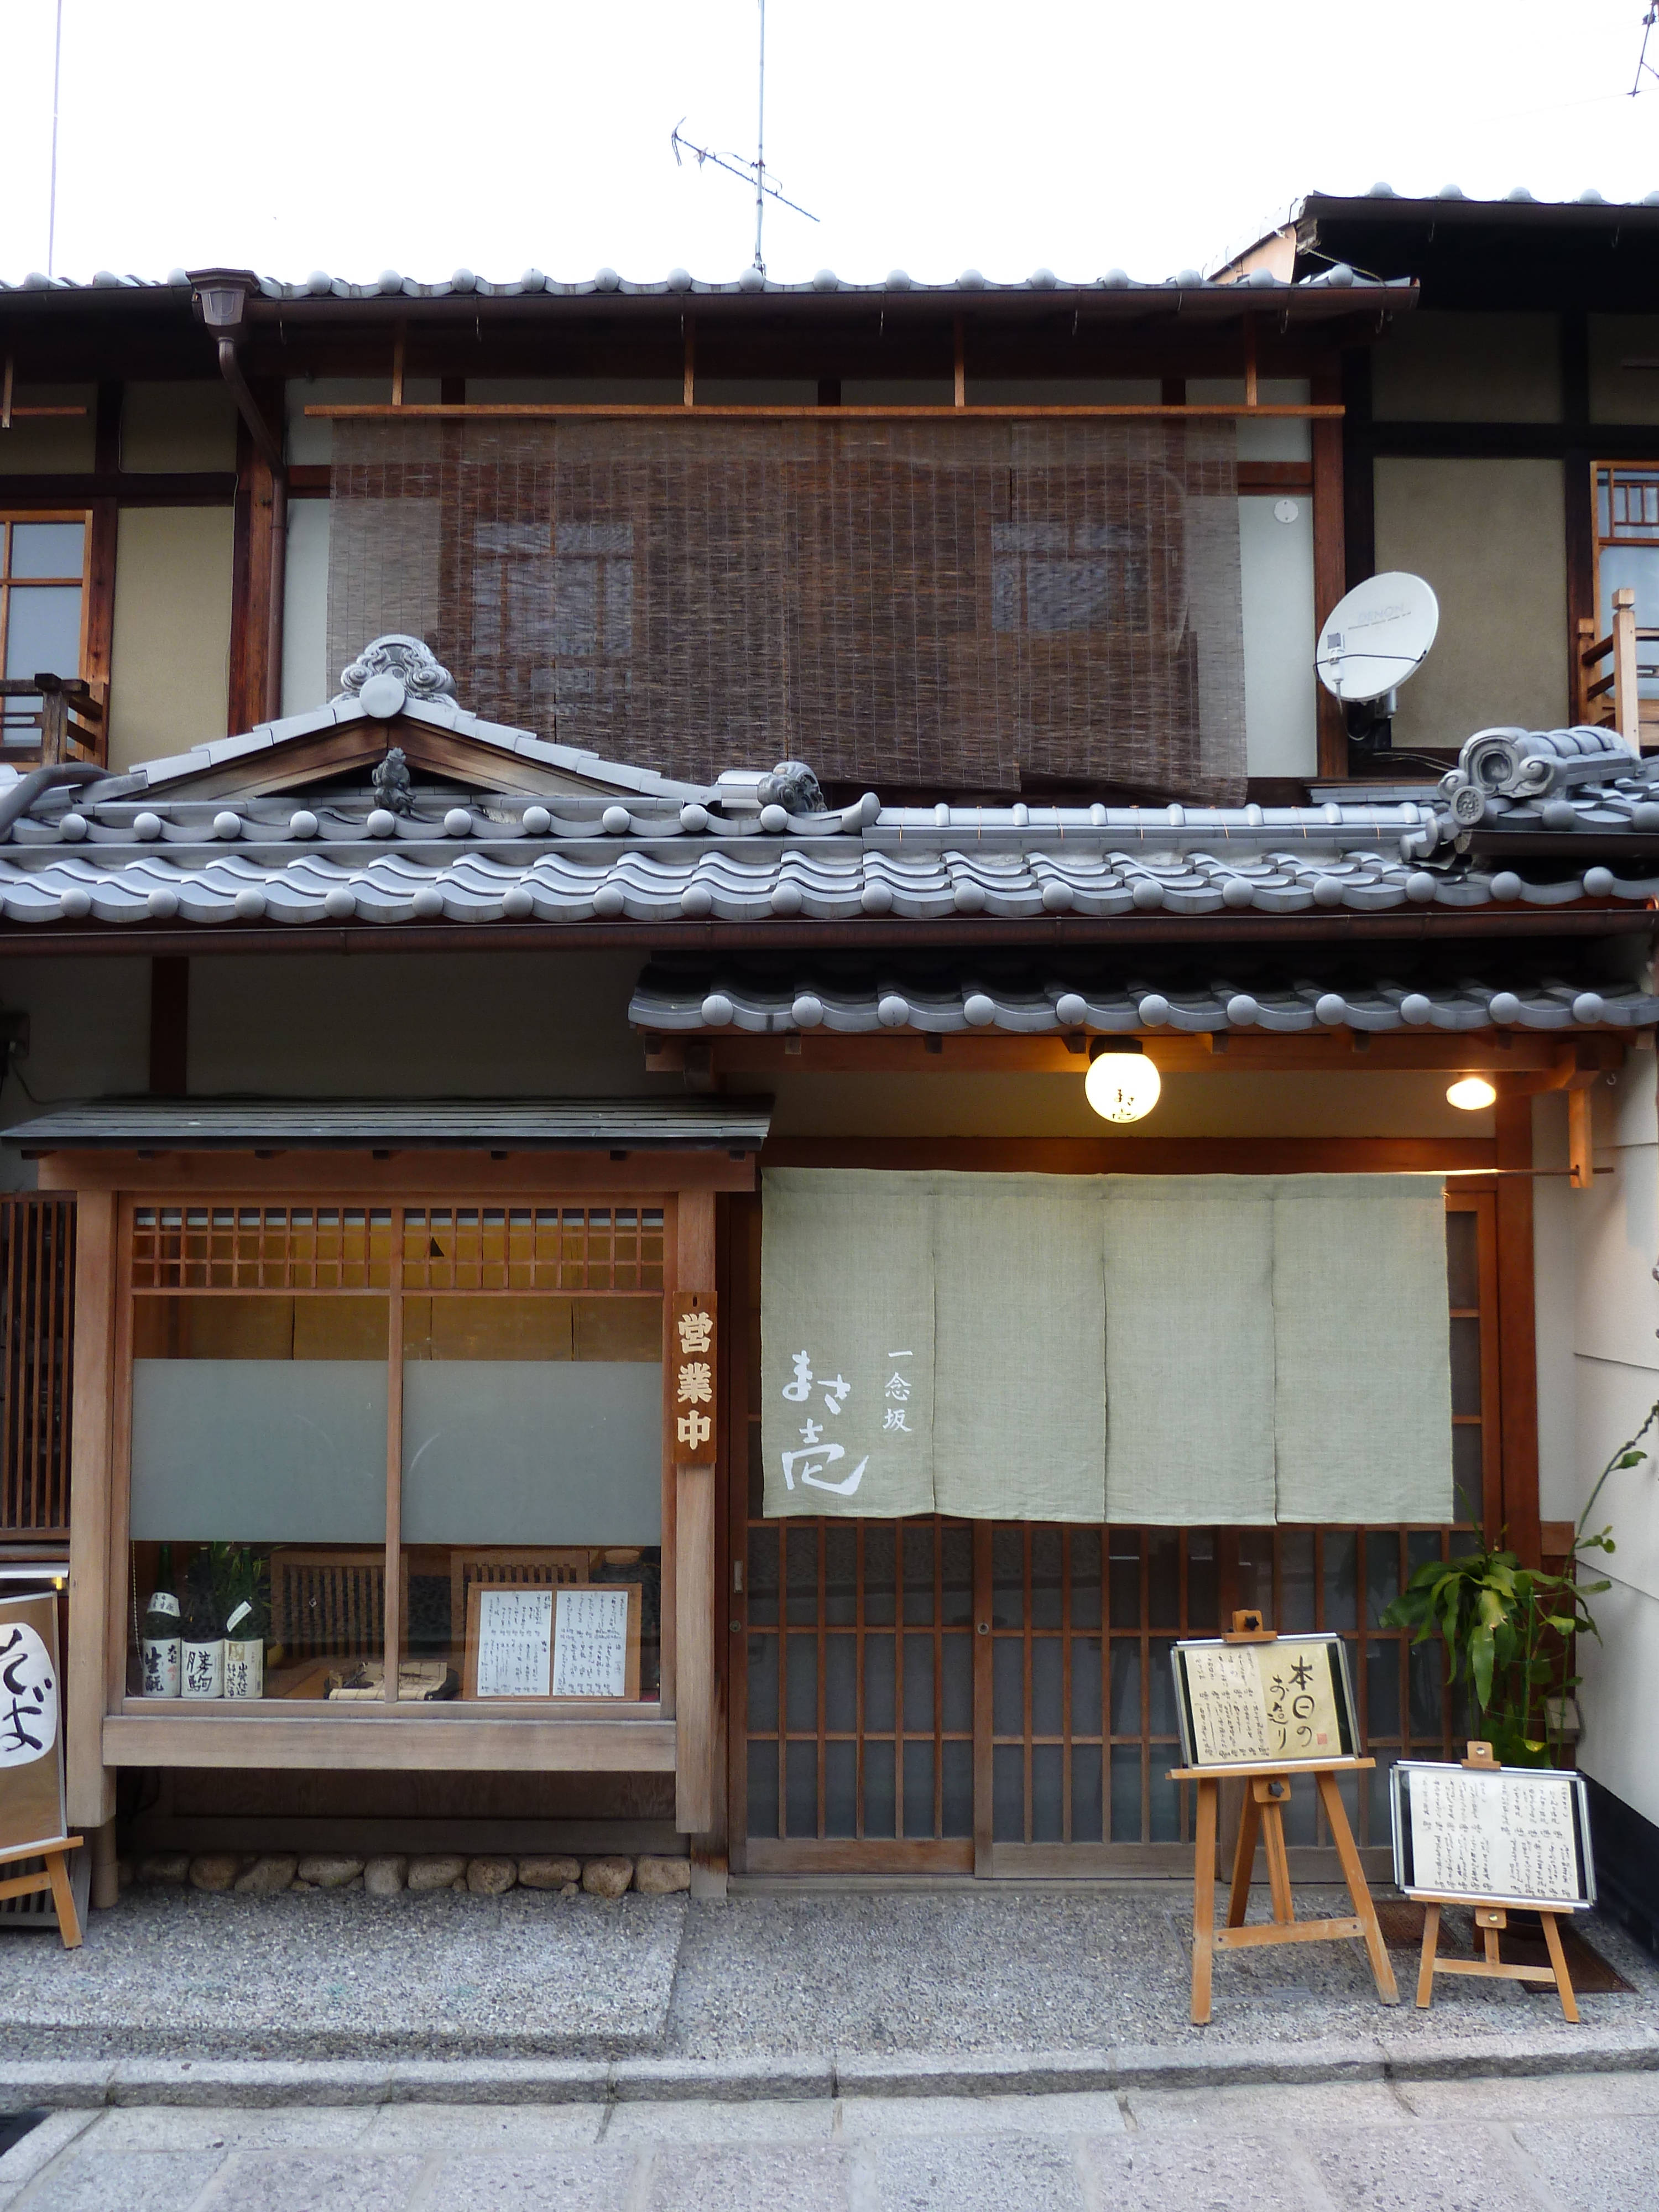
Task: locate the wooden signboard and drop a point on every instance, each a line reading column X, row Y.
column 693, row 1367
column 579, row 1641
column 1498, row 1838
column 32, row 1818
column 1260, row 1707
column 1255, row 1700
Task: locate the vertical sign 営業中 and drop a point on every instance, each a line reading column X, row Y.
column 32, row 1809
column 692, row 1368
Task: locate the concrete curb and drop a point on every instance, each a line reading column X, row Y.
column 271, row 2083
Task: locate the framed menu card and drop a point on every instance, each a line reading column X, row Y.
column 1279, row 1703
column 581, row 1640
column 31, row 1739
column 1506, row 1835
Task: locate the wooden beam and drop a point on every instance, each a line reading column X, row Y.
column 1330, row 562
column 92, row 1604
column 696, row 1591
column 1516, row 1326
column 1471, row 1156
column 399, row 1737
column 1580, row 1150
column 412, row 1176
column 665, row 410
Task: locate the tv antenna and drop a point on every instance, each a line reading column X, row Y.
column 1643, row 66
column 766, row 187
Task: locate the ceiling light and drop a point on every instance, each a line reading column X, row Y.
column 1471, row 1093
column 1122, row 1085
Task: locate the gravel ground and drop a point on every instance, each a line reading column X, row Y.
column 172, row 1973
column 175, row 1974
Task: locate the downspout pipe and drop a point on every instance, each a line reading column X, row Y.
column 269, row 448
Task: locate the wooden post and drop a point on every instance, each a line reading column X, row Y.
column 1581, row 675
column 1249, row 361
column 89, row 1783
column 1581, row 1167
column 394, row 1460
column 1517, row 1354
column 399, row 337
column 1330, row 567
column 959, row 345
column 690, row 330
column 1204, row 1893
column 1626, row 702
column 694, row 1593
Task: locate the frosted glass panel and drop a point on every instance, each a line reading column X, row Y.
column 269, row 1451
column 514, row 1451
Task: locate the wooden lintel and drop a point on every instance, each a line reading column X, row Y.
column 1526, row 1061
column 409, row 1174
column 667, row 410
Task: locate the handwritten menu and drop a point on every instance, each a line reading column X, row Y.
column 1251, row 1703
column 515, row 1640
column 1502, row 1835
column 590, row 1650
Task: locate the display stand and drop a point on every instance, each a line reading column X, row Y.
column 55, row 1877
column 1489, row 1920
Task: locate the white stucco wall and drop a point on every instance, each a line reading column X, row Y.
column 1595, row 1251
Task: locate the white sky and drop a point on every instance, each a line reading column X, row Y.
column 499, row 134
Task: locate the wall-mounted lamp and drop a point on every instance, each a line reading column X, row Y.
column 1122, row 1085
column 1471, row 1093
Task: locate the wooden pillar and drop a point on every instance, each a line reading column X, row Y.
column 86, row 1670
column 1330, row 563
column 695, row 1592
column 101, row 562
column 169, row 1024
column 1518, row 1350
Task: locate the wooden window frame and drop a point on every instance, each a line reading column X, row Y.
column 9, row 518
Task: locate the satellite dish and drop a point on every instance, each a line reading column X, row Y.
column 1376, row 637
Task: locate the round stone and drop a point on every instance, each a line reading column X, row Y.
column 73, row 828
column 457, row 822
column 382, row 697
column 427, row 903
column 876, row 898
column 1559, row 814
column 979, row 1010
column 1328, row 890
column 609, row 902
column 1237, row 893
column 1242, row 1010
column 1589, row 1007
column 717, row 1011
column 787, row 898
column 1415, row 1009
column 537, row 821
column 147, row 827
column 616, row 821
column 341, row 903
column 1506, row 885
column 892, row 1012
column 1598, row 883
column 75, row 904
column 1056, row 896
column 1420, row 887
column 1644, row 816
column 1505, row 1008
column 303, row 824
column 162, row 905
column 518, row 905
column 1071, row 1009
column 1331, row 1007
column 774, row 820
column 694, row 818
column 696, row 900
column 249, row 904
column 382, row 822
column 1147, row 895
column 807, row 1011
column 969, row 898
column 1154, row 1011
column 227, row 825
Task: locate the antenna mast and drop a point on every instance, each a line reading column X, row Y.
column 735, row 165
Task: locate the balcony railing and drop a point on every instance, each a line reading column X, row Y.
column 45, row 720
column 1615, row 700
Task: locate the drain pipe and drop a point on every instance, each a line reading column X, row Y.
column 220, row 295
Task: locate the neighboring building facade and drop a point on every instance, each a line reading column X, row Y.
column 1043, row 567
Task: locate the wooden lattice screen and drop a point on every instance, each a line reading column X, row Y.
column 37, row 1278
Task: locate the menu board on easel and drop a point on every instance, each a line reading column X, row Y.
column 1508, row 1835
column 581, row 1640
column 1268, row 1702
column 32, row 1809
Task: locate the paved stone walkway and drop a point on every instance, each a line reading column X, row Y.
column 1468, row 2144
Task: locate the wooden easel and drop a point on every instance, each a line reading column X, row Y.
column 56, row 1878
column 1489, row 1921
column 1264, row 1815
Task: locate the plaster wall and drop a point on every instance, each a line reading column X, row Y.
column 55, row 445
column 1276, row 575
column 1624, row 370
column 179, row 426
column 88, row 1038
column 308, row 680
column 170, row 665
column 1489, row 536
column 1468, row 367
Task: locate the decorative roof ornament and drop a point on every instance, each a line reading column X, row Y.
column 393, row 789
column 393, row 668
column 792, row 786
column 1529, row 778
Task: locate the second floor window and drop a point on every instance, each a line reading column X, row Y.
column 1627, row 555
column 42, row 610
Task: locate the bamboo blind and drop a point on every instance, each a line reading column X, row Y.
column 954, row 605
column 37, row 1277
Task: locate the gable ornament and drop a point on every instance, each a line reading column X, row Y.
column 394, row 668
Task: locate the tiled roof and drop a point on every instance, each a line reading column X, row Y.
column 325, row 1125
column 1026, row 1000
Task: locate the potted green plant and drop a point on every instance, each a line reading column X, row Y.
column 1509, row 1629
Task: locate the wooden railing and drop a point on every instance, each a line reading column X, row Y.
column 71, row 719
column 1614, row 700
column 37, row 1281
